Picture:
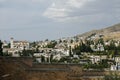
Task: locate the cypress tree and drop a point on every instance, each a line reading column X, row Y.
column 1, row 49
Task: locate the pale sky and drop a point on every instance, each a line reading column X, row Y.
column 54, row 19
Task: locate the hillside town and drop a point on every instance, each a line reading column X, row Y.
column 92, row 52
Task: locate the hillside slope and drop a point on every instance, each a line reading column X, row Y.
column 112, row 32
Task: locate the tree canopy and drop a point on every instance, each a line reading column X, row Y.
column 1, row 49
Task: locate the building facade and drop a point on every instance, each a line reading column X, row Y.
column 19, row 44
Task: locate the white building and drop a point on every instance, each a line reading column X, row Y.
column 113, row 68
column 65, row 52
column 16, row 47
column 94, row 59
column 42, row 44
column 11, row 51
column 5, row 43
column 19, row 44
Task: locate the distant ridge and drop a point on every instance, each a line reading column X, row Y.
column 112, row 32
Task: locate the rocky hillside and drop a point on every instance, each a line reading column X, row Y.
column 112, row 32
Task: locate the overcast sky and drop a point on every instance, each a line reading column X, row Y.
column 53, row 19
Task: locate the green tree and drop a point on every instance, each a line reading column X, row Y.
column 85, row 48
column 71, row 41
column 46, row 40
column 101, row 41
column 52, row 44
column 26, row 53
column 1, row 49
column 67, row 59
column 60, row 41
column 42, row 59
column 37, row 49
column 112, row 76
column 33, row 44
column 70, row 52
column 51, row 58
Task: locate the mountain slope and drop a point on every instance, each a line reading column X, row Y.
column 112, row 32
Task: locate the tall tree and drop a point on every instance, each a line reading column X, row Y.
column 42, row 59
column 70, row 52
column 1, row 49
